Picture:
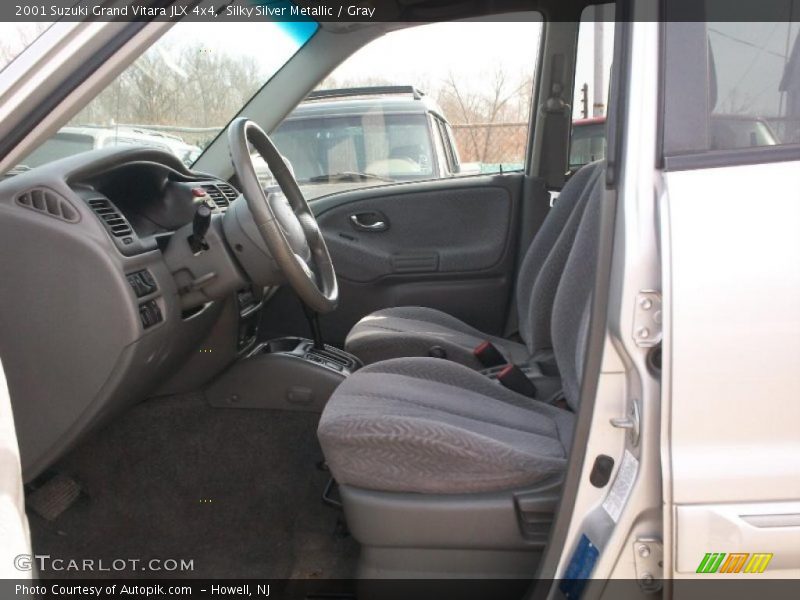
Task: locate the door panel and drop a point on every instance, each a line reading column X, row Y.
column 445, row 231
column 447, row 244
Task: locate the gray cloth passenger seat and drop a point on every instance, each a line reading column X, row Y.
column 407, row 331
column 430, row 426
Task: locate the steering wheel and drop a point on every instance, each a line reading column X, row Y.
column 284, row 221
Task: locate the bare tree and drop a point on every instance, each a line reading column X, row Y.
column 184, row 87
column 12, row 46
column 502, row 101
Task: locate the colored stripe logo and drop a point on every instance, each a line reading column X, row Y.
column 735, row 562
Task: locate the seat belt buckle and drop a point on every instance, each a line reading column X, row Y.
column 488, row 355
column 514, row 378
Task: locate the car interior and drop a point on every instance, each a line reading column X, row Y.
column 201, row 366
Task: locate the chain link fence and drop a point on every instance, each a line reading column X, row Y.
column 492, row 144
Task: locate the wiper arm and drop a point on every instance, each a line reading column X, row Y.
column 17, row 170
column 345, row 176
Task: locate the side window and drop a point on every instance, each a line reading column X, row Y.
column 592, row 76
column 421, row 103
column 754, row 84
column 740, row 92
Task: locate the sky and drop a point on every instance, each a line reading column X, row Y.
column 270, row 43
column 749, row 59
column 424, row 55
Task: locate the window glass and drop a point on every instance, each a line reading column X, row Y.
column 592, row 76
column 392, row 147
column 60, row 145
column 754, row 84
column 425, row 102
column 588, row 142
column 181, row 93
column 15, row 37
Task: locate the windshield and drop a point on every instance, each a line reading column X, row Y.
column 16, row 37
column 182, row 92
column 392, row 147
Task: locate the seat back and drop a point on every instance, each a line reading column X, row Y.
column 543, row 264
column 573, row 299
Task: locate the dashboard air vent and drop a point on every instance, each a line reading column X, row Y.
column 222, row 193
column 216, row 195
column 230, row 192
column 115, row 222
column 48, row 202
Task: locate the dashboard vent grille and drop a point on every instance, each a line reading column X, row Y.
column 115, row 222
column 230, row 192
column 222, row 194
column 48, row 202
column 216, row 195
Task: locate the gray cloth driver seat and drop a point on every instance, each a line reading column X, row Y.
column 437, row 427
column 421, row 331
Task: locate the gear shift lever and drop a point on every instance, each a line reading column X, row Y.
column 200, row 225
column 313, row 323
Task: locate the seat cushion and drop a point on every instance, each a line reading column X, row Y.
column 432, row 426
column 414, row 330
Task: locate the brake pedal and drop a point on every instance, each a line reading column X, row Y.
column 54, row 496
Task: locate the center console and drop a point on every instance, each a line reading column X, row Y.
column 288, row 373
column 327, row 357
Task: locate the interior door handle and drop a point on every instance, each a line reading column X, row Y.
column 369, row 221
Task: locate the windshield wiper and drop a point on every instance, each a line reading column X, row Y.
column 17, row 170
column 345, row 176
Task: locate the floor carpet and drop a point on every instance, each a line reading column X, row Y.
column 235, row 491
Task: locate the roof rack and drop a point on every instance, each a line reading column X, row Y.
column 375, row 90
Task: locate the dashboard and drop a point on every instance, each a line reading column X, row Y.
column 142, row 202
column 97, row 311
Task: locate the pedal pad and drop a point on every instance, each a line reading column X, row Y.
column 53, row 497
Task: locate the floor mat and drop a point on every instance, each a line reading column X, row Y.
column 238, row 492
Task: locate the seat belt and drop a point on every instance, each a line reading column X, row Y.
column 488, row 355
column 555, row 128
column 514, row 378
